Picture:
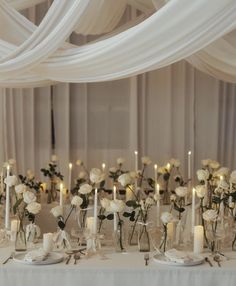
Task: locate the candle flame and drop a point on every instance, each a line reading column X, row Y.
column 194, row 190
column 221, row 178
column 8, row 167
column 103, row 166
column 61, row 186
column 70, row 165
column 136, row 152
column 155, row 166
column 158, row 187
column 189, row 152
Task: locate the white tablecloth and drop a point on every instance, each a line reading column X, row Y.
column 118, row 269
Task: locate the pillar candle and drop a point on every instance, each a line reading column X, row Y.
column 193, row 209
column 198, row 239
column 48, row 242
column 69, row 178
column 95, row 211
column 115, row 215
column 7, row 209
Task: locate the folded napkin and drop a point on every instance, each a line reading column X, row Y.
column 179, row 256
column 36, row 255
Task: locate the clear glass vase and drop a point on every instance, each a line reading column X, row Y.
column 133, row 235
column 52, row 192
column 143, row 238
column 119, row 237
column 20, row 243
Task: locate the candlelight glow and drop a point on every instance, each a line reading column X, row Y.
column 189, row 152
column 136, row 152
column 70, row 165
column 155, row 166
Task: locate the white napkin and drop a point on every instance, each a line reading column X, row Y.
column 36, row 255
column 179, row 256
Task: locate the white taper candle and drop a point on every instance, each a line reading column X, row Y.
column 95, row 211
column 115, row 215
column 193, row 209
column 7, row 209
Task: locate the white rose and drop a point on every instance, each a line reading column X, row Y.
column 85, row 189
column 223, row 171
column 162, row 170
column 79, row 163
column 113, row 169
column 146, row 160
column 133, row 174
column 116, row 206
column 82, row 175
column 120, row 161
column 181, row 191
column 20, row 189
column 173, row 198
column 29, row 197
column 202, row 175
column 201, row 191
column 149, row 201
column 231, row 205
column 33, row 208
column 166, row 217
column 205, row 162
column 57, row 211
column 214, row 164
column 175, row 162
column 76, row 201
column 96, row 176
column 223, row 185
column 10, row 181
column 54, row 158
column 233, row 177
column 210, row 215
column 105, row 203
column 124, row 179
column 30, row 174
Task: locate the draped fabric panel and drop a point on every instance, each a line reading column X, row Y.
column 162, row 114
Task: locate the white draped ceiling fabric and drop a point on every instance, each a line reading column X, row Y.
column 202, row 32
column 154, row 43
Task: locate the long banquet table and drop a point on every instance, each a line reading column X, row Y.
column 119, row 269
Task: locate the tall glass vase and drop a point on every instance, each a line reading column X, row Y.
column 20, row 243
column 143, row 238
column 52, row 192
column 119, row 237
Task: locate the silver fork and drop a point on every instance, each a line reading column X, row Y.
column 146, row 258
column 10, row 257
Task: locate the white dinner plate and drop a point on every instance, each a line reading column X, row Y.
column 162, row 259
column 52, row 258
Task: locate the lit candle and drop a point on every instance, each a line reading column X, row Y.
column 7, row 209
column 189, row 176
column 90, row 223
column 155, row 174
column 48, row 242
column 198, row 239
column 103, row 167
column 61, row 194
column 168, row 167
column 95, row 211
column 115, row 216
column 158, row 203
column 69, row 180
column 193, row 210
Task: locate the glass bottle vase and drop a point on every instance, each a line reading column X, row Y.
column 20, row 243
column 118, row 237
column 143, row 239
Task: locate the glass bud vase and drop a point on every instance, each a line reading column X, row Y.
column 20, row 243
column 143, row 239
column 52, row 192
column 133, row 235
column 118, row 237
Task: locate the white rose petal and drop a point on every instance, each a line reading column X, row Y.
column 96, row 176
column 57, row 211
column 162, row 170
column 30, row 174
column 205, row 162
column 214, row 164
column 146, row 160
column 113, row 169
column 29, row 197
column 231, row 205
column 82, row 175
column 33, row 208
column 201, row 191
column 223, row 171
column 10, row 181
column 20, row 189
column 133, row 174
column 202, row 175
column 85, row 189
column 120, row 161
column 210, row 215
column 54, row 158
column 116, row 206
column 105, row 203
column 223, row 185
column 166, row 217
column 124, row 179
column 79, row 163
column 181, row 191
column 174, row 162
column 76, row 201
column 149, row 201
